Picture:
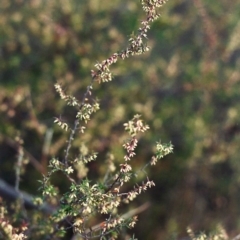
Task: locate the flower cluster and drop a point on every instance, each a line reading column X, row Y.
column 103, row 74
column 161, row 151
column 136, row 43
column 148, row 5
column 10, row 232
column 138, row 190
column 135, row 126
column 71, row 100
column 61, row 124
column 111, row 224
column 86, row 111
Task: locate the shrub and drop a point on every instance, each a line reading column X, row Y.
column 85, row 202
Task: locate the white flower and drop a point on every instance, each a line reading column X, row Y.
column 69, row 170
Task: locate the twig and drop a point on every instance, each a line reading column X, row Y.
column 77, row 121
column 18, row 166
column 32, row 159
column 8, row 192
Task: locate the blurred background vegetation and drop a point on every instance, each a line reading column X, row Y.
column 186, row 88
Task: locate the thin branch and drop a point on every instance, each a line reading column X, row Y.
column 77, row 121
column 9, row 193
column 32, row 159
column 18, row 166
column 71, row 138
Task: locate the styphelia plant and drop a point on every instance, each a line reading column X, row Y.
column 85, row 200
